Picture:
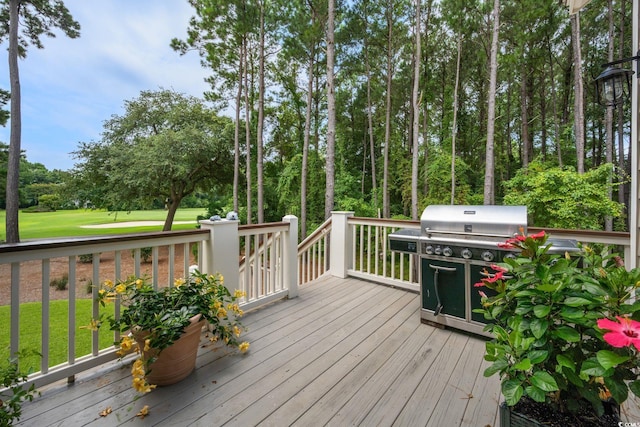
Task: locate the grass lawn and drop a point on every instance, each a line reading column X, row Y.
column 44, row 225
column 31, row 332
column 69, row 224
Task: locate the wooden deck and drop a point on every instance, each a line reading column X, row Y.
column 345, row 352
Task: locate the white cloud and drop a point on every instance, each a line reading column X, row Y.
column 72, row 86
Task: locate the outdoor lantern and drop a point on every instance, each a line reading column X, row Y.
column 613, row 85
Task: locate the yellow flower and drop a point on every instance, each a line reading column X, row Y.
column 137, row 369
column 147, row 345
column 143, row 412
column 121, row 288
column 139, row 283
column 108, row 283
column 141, row 386
column 179, row 282
column 93, row 326
column 217, row 305
column 239, row 293
column 221, row 278
column 126, row 344
column 243, row 347
column 236, row 331
column 222, row 312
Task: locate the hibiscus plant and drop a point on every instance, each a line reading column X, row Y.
column 566, row 330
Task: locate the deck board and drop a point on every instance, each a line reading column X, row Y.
column 345, row 352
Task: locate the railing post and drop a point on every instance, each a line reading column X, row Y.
column 221, row 251
column 290, row 256
column 340, row 246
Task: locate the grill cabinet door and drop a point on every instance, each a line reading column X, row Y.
column 450, row 293
column 477, row 274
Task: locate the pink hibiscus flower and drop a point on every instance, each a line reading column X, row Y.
column 622, row 334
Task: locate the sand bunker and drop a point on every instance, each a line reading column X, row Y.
column 133, row 224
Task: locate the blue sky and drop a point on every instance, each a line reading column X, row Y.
column 72, row 86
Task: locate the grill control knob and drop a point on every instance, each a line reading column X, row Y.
column 447, row 251
column 487, row 256
column 466, row 253
column 428, row 250
column 510, row 256
column 438, row 250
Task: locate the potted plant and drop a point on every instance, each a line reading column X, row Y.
column 566, row 335
column 158, row 323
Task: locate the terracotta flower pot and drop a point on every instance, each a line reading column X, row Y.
column 178, row 360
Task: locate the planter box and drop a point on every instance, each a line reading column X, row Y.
column 509, row 418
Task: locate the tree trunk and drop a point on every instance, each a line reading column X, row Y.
column 331, row 113
column 608, row 122
column 489, row 193
column 374, row 183
column 454, row 130
column 578, row 92
column 259, row 136
column 524, row 119
column 247, row 128
column 622, row 199
column 416, row 117
column 386, row 208
column 305, row 146
column 554, row 103
column 13, row 167
column 172, row 208
column 236, row 140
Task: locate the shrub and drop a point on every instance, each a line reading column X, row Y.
column 60, row 283
column 86, row 258
column 11, row 399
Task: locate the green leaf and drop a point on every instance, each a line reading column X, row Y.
column 571, row 313
column 617, row 388
column 541, row 310
column 538, row 356
column 547, row 287
column 593, row 368
column 568, row 334
column 535, row 393
column 523, row 365
column 594, row 289
column 512, row 391
column 544, row 381
column 539, row 327
column 566, row 362
column 609, row 359
column 634, row 386
column 576, row 301
column 572, row 377
column 497, row 366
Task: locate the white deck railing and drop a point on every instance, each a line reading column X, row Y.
column 268, row 273
column 263, row 260
column 360, row 248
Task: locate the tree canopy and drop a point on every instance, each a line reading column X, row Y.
column 163, row 148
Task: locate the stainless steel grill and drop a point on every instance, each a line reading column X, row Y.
column 455, row 245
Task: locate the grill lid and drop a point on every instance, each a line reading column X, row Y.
column 474, row 220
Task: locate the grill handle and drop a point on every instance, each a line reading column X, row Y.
column 436, row 285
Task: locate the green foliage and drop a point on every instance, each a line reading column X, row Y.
column 164, row 313
column 563, row 198
column 165, row 147
column 546, row 313
column 145, row 254
column 60, row 283
column 11, row 399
